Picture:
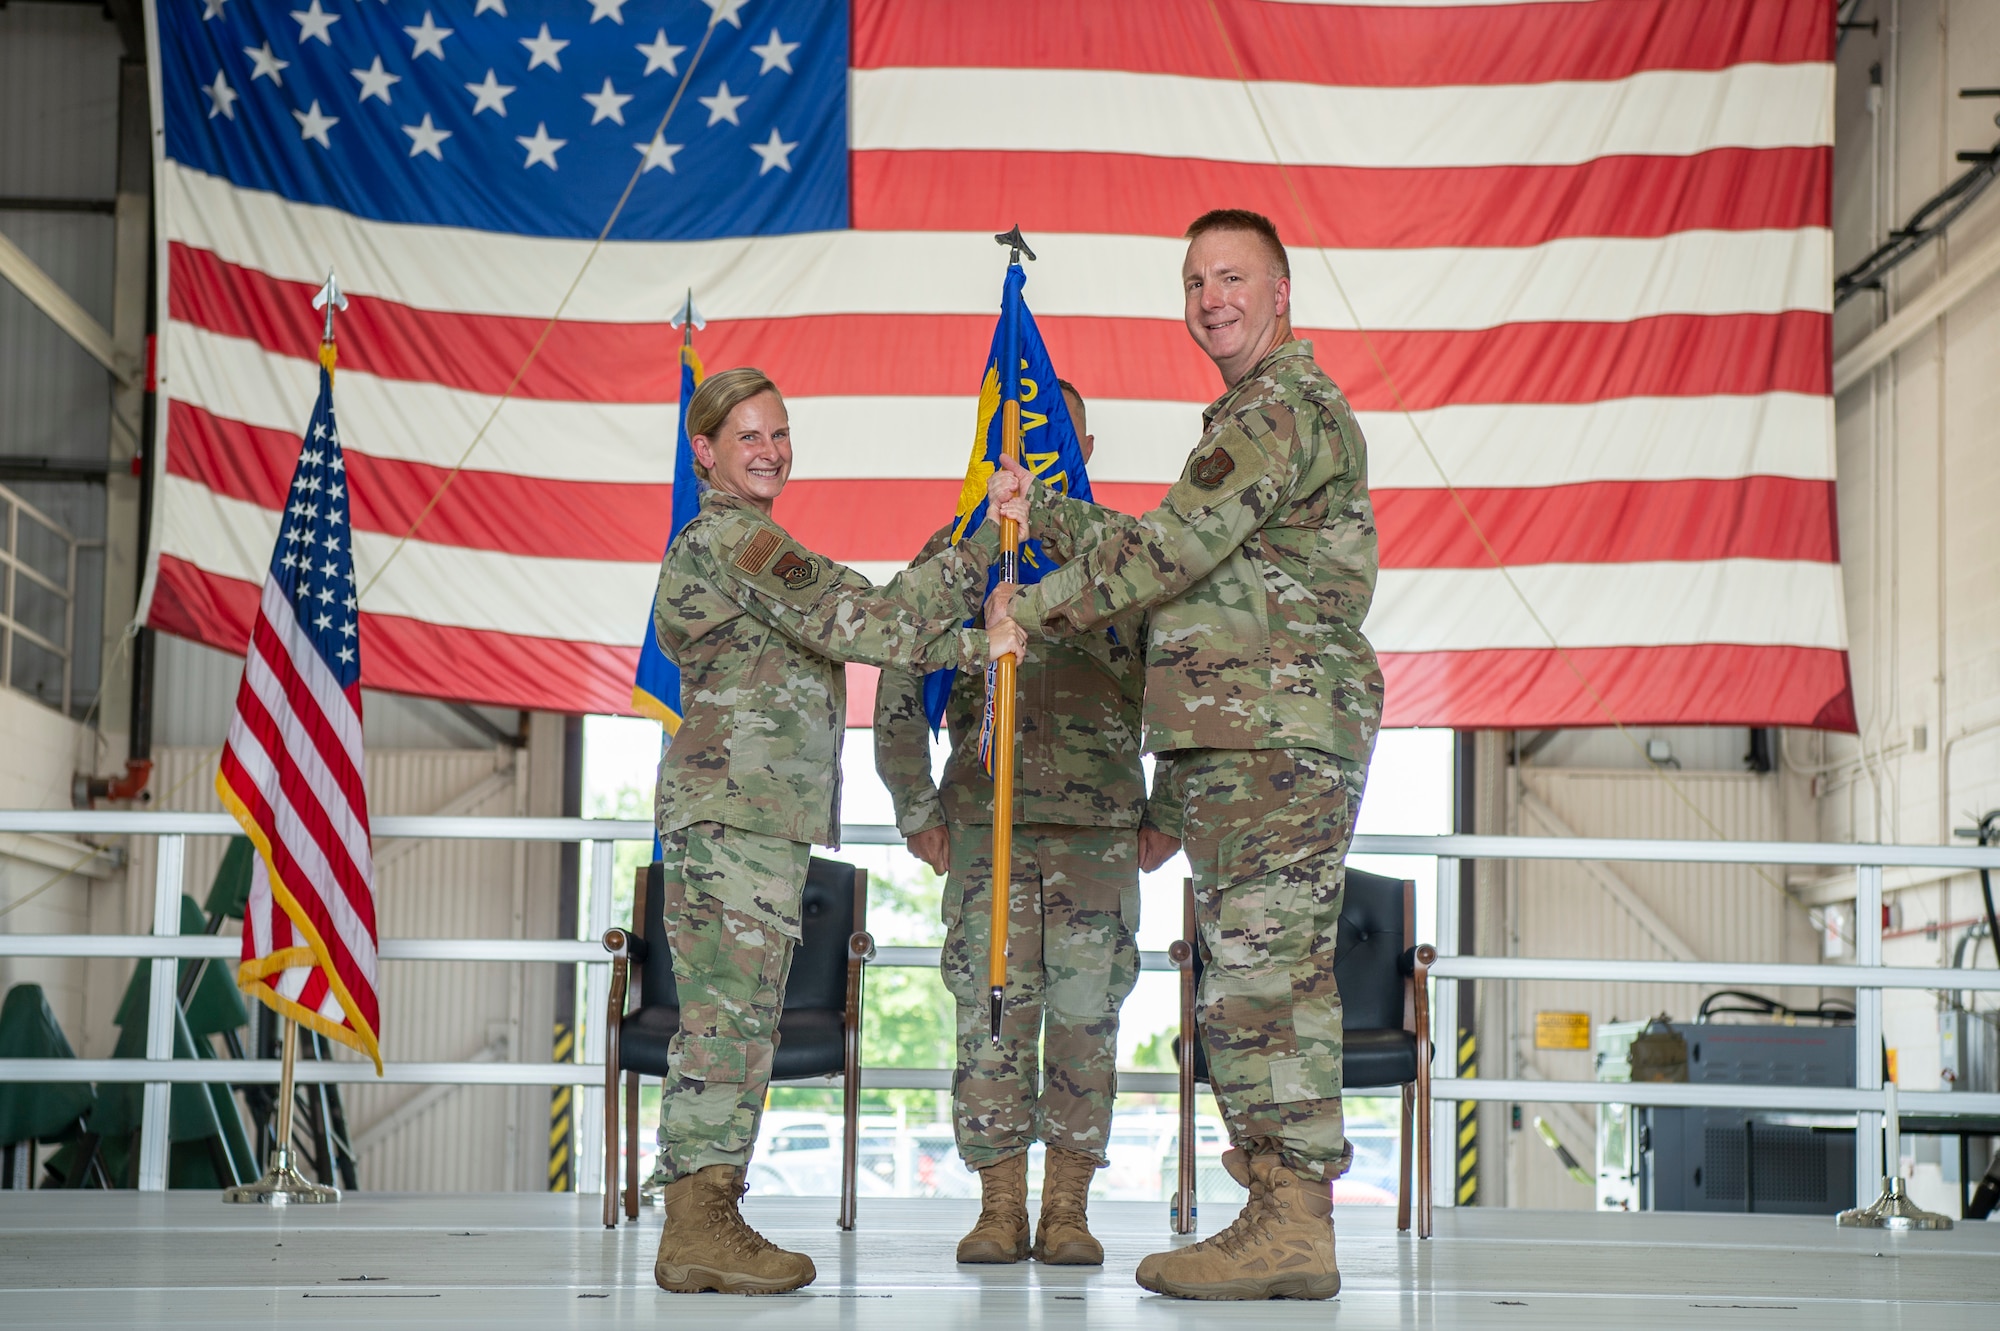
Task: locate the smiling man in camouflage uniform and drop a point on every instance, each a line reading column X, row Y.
column 759, row 626
column 1079, row 796
column 1262, row 703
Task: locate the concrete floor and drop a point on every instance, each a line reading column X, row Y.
column 185, row 1259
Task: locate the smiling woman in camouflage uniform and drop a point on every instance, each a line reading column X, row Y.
column 760, row 627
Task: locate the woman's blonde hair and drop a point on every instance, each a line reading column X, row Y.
column 721, row 393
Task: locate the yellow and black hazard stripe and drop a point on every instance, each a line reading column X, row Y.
column 1468, row 1124
column 559, row 1116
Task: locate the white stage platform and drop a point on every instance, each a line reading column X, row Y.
column 186, row 1260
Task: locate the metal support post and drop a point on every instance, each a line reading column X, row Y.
column 1444, row 1031
column 1868, row 1166
column 596, row 994
column 162, row 996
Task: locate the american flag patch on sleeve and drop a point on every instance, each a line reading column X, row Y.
column 757, row 551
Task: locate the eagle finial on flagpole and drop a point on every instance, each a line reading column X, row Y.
column 1016, row 242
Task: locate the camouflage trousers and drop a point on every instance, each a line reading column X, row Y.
column 1072, row 957
column 1266, row 832
column 732, row 913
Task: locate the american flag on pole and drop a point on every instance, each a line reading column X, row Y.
column 292, row 769
column 1580, row 249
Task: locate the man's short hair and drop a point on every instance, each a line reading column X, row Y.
column 1069, row 390
column 1242, row 219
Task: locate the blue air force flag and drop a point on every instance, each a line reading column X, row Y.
column 1049, row 447
column 656, row 687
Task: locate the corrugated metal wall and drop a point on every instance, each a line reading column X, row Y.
column 413, row 1138
column 58, row 141
column 1721, row 912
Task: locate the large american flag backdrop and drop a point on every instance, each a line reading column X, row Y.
column 1588, row 242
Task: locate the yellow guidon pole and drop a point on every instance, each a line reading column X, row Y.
column 1003, row 674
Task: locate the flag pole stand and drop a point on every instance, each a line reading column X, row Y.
column 283, row 1184
column 1893, row 1209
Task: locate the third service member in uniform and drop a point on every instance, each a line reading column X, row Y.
column 1079, row 795
column 759, row 626
column 1262, row 702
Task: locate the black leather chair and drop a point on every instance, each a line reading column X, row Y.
column 819, row 1030
column 1386, row 1034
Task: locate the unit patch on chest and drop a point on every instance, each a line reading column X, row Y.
column 757, row 551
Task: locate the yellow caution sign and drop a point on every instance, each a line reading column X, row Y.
column 1562, row 1030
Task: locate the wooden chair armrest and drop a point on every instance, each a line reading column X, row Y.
column 1420, row 959
column 626, row 944
column 627, row 949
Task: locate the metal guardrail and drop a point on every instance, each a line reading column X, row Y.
column 159, row 1071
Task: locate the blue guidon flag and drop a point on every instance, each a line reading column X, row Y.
column 1049, row 449
column 656, row 687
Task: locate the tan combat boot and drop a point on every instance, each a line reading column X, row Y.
column 707, row 1245
column 1001, row 1233
column 1237, row 1166
column 1063, row 1238
column 1280, row 1247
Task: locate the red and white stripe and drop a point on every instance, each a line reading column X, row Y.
column 1589, row 239
column 291, row 772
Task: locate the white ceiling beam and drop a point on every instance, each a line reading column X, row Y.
column 43, row 292
column 1966, row 275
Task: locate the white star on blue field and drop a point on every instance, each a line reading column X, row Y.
column 313, row 562
column 524, row 116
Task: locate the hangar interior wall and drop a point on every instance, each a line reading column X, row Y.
column 1919, row 484
column 1918, row 490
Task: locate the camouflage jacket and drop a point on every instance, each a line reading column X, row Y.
column 1256, row 572
column 1077, row 751
column 759, row 627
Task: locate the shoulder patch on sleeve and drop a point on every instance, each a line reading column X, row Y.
column 797, row 571
column 767, row 560
column 755, row 554
column 1209, row 470
column 1219, row 470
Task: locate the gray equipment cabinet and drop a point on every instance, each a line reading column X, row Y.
column 1734, row 1160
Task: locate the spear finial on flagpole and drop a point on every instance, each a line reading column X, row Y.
column 687, row 318
column 330, row 298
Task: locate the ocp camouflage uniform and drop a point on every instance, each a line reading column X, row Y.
column 1079, row 796
column 759, row 627
column 1262, row 703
